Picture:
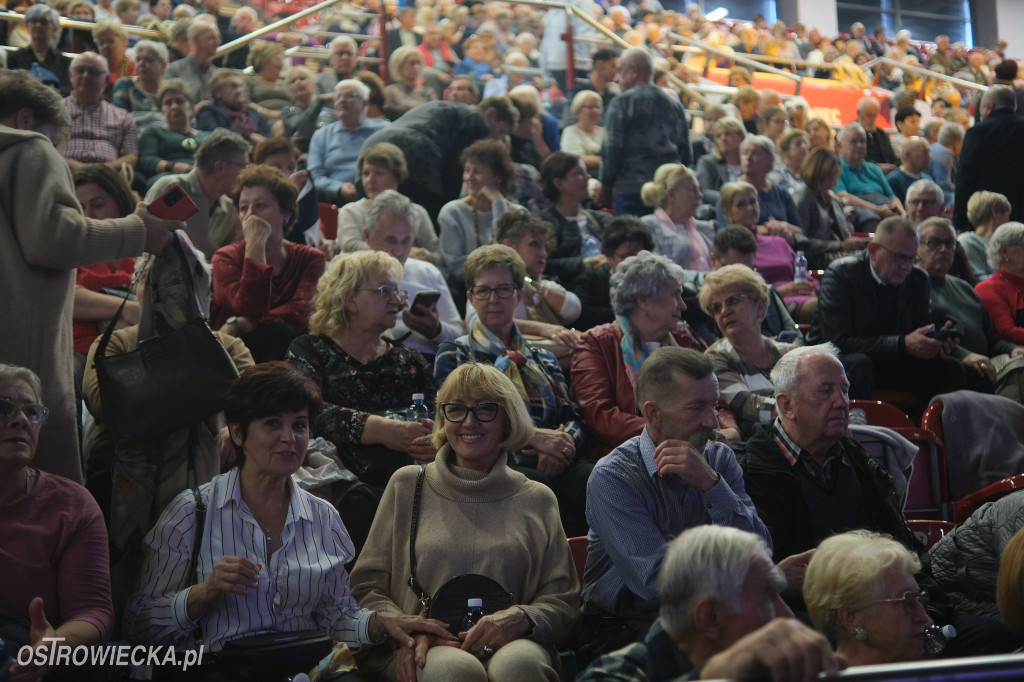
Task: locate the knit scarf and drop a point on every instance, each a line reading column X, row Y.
column 634, row 353
column 517, row 362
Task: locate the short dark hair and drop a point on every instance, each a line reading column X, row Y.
column 903, row 113
column 555, row 167
column 277, row 183
column 18, row 90
column 111, row 182
column 266, row 389
column 625, row 229
column 218, row 146
column 272, row 146
column 1006, row 70
column 376, row 85
column 515, row 226
column 734, row 237
column 658, row 374
column 605, row 54
column 492, row 154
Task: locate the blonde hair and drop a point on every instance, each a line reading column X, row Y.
column 482, row 380
column 730, row 277
column 494, row 257
column 1010, row 584
column 581, row 98
column 262, row 52
column 845, row 573
column 109, row 26
column 731, row 190
column 346, row 273
column 399, row 57
column 732, row 123
column 981, row 205
column 668, row 175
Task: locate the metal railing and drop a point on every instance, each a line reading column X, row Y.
column 738, row 58
column 88, row 25
column 926, row 73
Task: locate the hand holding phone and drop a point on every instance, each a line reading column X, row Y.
column 173, row 204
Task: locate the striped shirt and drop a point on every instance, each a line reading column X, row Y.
column 99, row 134
column 304, row 586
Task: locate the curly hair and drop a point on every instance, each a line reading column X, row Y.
column 346, row 273
column 493, row 155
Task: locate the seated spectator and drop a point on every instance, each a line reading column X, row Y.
column 722, row 165
column 584, row 137
column 638, row 501
column 375, row 102
column 861, row 593
column 366, row 378
column 772, row 122
column 468, row 223
column 704, row 144
column 474, row 63
column 112, row 42
column 862, row 184
column 230, row 109
column 284, row 156
column 306, row 114
column 577, row 230
column 880, row 151
column 170, row 148
column 406, row 89
column 219, row 160
column 77, row 39
column 196, row 67
column 908, row 125
column 264, row 87
column 917, row 158
column 820, row 133
column 244, row 21
column 553, row 455
column 793, row 147
column 438, row 56
column 382, row 167
column 944, row 155
column 518, row 542
column 334, row 149
column 128, row 12
column 263, row 285
column 778, row 215
column 526, row 136
column 624, row 236
column 747, row 101
column 43, row 24
column 344, row 64
column 463, row 90
column 53, row 538
column 546, row 134
column 986, row 211
column 138, row 95
column 826, row 226
column 675, row 196
column 100, row 132
column 1002, row 292
column 737, row 298
column 799, row 112
column 646, row 295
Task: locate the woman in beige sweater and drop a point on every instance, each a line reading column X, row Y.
column 476, row 516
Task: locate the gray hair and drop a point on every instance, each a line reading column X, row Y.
column 847, row 128
column 159, row 49
column 950, row 132
column 197, row 27
column 11, row 373
column 91, row 57
column 359, row 87
column 392, row 202
column 936, row 220
column 1007, row 234
column 36, row 12
column 797, row 103
column 708, row 561
column 762, row 142
column 786, row 372
column 344, row 40
column 218, row 146
column 1000, row 97
column 18, row 90
column 926, row 186
column 644, row 274
column 640, row 57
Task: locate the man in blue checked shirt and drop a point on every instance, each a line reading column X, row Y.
column 671, row 477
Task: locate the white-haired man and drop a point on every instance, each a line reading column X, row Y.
column 862, row 184
column 344, row 61
column 196, row 68
column 100, row 132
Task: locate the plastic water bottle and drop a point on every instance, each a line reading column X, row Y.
column 591, row 246
column 936, row 639
column 37, row 71
column 417, row 410
column 800, row 267
column 474, row 612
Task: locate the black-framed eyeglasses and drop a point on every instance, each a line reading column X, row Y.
column 387, row 292
column 936, row 244
column 504, row 291
column 730, row 302
column 34, row 412
column 910, row 600
column 483, row 412
column 900, row 258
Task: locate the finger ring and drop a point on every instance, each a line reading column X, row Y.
column 565, row 451
column 488, row 650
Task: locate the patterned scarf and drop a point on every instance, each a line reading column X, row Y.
column 634, row 352
column 518, row 363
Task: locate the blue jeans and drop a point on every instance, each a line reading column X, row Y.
column 631, row 204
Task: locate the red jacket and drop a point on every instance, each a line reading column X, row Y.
column 446, row 52
column 1002, row 294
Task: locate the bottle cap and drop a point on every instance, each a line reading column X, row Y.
column 475, row 603
column 417, row 396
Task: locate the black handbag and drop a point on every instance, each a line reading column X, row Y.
column 166, row 383
column 448, row 604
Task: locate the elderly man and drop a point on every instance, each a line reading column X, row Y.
column 219, row 161
column 721, row 616
column 916, row 159
column 943, row 164
column 196, row 68
column 643, row 130
column 403, row 34
column 100, row 132
column 389, row 229
column 673, row 476
column 334, row 149
column 941, row 56
column 807, row 479
column 344, row 61
column 463, row 90
column 924, row 200
column 862, row 184
column 875, row 307
column 243, row 22
column 879, row 148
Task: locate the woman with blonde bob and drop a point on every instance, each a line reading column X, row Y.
column 406, row 89
column 367, row 379
column 861, row 593
column 584, row 137
column 469, row 491
column 986, row 211
column 675, row 195
column 722, row 165
column 268, row 94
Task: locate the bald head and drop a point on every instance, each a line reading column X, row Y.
column 634, row 67
column 916, row 155
column 867, row 112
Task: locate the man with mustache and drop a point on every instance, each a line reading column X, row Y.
column 671, row 477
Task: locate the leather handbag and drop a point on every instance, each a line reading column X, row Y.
column 448, row 603
column 168, row 382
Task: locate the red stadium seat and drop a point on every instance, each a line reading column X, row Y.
column 879, row 413
column 578, row 547
column 930, row 531
column 329, row 220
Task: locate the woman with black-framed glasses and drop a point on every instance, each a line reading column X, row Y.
column 367, row 378
column 495, row 276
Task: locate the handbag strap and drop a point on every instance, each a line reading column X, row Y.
column 413, row 583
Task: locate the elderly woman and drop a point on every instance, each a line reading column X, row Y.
column 647, row 297
column 722, row 165
column 772, row 123
column 860, row 591
column 139, row 94
column 495, row 278
column 43, row 25
column 112, row 42
column 986, row 211
column 738, row 298
column 793, row 147
column 778, row 215
column 469, row 222
column 774, row 259
column 1003, row 293
column 366, row 378
column 578, row 231
column 53, row 539
column 307, row 113
column 170, row 148
column 585, row 135
column 263, row 284
column 230, row 108
column 821, row 213
column 382, row 166
column 300, row 551
column 406, row 89
column 675, row 195
column 517, row 541
column 266, row 92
